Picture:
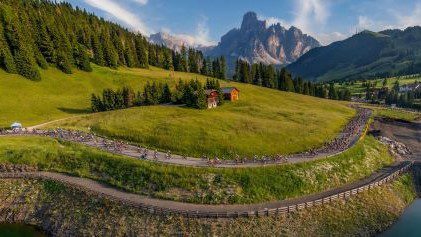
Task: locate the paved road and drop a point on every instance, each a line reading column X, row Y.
column 197, row 210
column 345, row 140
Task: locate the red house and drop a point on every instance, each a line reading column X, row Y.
column 212, row 98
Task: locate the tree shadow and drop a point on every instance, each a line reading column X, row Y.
column 74, row 111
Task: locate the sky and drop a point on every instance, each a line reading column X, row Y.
column 203, row 22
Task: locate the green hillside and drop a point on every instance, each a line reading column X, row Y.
column 263, row 121
column 363, row 56
column 198, row 185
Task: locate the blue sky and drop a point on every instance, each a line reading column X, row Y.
column 205, row 21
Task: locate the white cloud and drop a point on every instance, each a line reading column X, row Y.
column 200, row 38
column 274, row 20
column 365, row 23
column 141, row 2
column 310, row 14
column 327, row 38
column 116, row 10
column 412, row 19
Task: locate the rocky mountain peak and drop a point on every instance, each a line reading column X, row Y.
column 257, row 43
column 250, row 22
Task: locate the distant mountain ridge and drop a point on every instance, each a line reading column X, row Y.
column 364, row 55
column 175, row 42
column 255, row 42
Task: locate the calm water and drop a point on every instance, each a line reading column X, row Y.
column 19, row 230
column 409, row 224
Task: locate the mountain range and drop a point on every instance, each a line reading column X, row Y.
column 175, row 42
column 255, row 42
column 365, row 55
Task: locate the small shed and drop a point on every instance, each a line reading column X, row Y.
column 212, row 98
column 231, row 93
column 16, row 125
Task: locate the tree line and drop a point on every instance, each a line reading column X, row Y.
column 191, row 93
column 404, row 99
column 268, row 76
column 38, row 33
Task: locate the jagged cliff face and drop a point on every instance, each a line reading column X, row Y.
column 256, row 42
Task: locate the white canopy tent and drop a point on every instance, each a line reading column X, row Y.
column 16, row 125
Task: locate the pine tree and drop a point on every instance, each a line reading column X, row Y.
column 333, row 94
column 25, row 64
column 81, row 58
column 118, row 45
column 6, row 59
column 200, row 98
column 142, row 52
column 168, row 61
column 223, row 68
column 166, row 94
column 63, row 62
column 110, row 53
column 40, row 60
column 128, row 97
column 45, row 43
column 98, row 54
column 183, row 60
column 289, row 84
column 129, row 56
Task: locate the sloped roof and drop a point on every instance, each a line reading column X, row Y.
column 227, row 90
column 208, row 92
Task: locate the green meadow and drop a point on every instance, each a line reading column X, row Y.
column 263, row 121
column 198, row 185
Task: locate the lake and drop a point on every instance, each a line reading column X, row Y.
column 409, row 224
column 19, row 230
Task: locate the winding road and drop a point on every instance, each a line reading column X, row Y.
column 408, row 134
column 345, row 140
column 159, row 206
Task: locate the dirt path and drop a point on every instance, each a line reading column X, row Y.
column 345, row 140
column 404, row 132
column 53, row 121
column 223, row 211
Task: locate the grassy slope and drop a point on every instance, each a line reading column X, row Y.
column 66, row 211
column 198, row 185
column 59, row 95
column 399, row 114
column 264, row 121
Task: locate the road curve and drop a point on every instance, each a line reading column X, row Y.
column 352, row 132
column 163, row 207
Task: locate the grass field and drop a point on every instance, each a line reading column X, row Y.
column 399, row 114
column 263, row 122
column 60, row 95
column 198, row 185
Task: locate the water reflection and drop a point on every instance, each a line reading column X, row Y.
column 409, row 224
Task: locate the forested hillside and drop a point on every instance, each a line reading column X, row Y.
column 37, row 34
column 363, row 56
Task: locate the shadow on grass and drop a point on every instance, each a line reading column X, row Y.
column 75, row 111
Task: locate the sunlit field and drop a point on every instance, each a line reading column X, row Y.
column 262, row 122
